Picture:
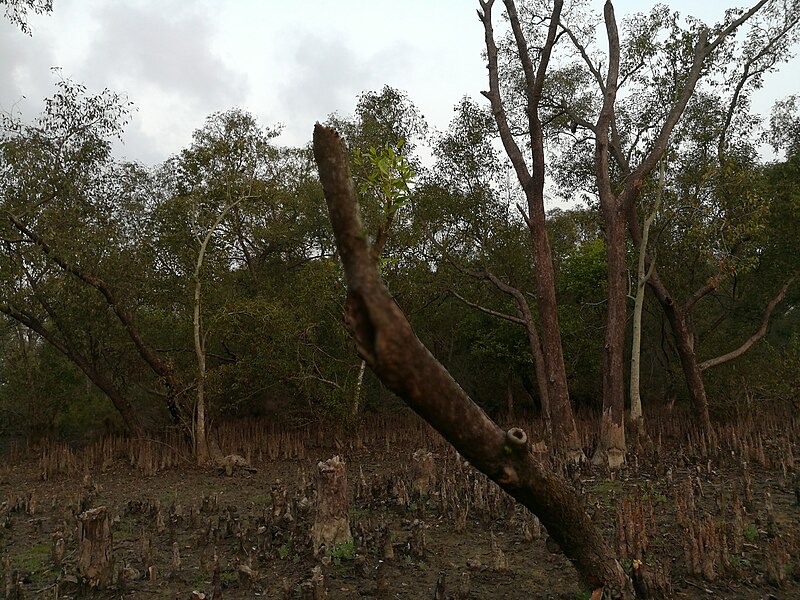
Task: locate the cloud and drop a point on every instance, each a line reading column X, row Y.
column 322, row 75
column 166, row 49
column 24, row 72
column 164, row 60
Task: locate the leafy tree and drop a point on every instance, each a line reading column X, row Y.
column 16, row 11
column 58, row 190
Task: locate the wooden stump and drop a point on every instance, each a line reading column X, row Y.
column 332, row 522
column 423, row 473
column 58, row 549
column 95, row 558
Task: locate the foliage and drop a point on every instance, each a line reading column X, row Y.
column 16, row 11
column 272, row 293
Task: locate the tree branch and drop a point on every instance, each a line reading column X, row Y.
column 384, row 338
column 158, row 365
column 760, row 333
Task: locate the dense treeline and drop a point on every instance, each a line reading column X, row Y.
column 208, row 287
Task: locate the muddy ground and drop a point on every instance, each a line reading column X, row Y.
column 717, row 519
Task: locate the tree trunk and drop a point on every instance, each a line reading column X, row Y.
column 357, row 394
column 532, row 183
column 642, row 275
column 691, row 369
column 611, row 449
column 332, row 521
column 680, row 329
column 539, row 368
column 201, row 452
column 202, row 446
column 386, row 341
column 95, row 556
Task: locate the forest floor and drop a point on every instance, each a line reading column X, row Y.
column 714, row 527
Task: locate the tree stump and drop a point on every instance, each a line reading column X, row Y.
column 423, row 473
column 332, row 522
column 417, row 544
column 95, row 558
column 58, row 549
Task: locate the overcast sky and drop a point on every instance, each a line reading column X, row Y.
column 291, row 62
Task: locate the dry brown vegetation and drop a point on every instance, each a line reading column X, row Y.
column 713, row 517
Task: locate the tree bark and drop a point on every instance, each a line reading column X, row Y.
column 532, row 183
column 385, row 340
column 611, row 449
column 95, row 555
column 332, row 521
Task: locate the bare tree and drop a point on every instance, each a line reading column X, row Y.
column 532, row 183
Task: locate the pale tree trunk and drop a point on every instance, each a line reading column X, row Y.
column 385, row 340
column 642, row 275
column 357, row 395
column 202, row 447
column 201, row 451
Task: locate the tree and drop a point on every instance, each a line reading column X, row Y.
column 387, row 342
column 58, row 178
column 226, row 167
column 721, row 137
column 532, row 183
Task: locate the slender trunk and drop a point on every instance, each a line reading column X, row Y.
column 524, row 318
column 642, row 275
column 541, row 373
column 357, row 395
column 611, row 449
column 680, row 330
column 202, row 445
column 200, row 436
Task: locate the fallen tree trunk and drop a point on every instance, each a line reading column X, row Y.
column 386, row 341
